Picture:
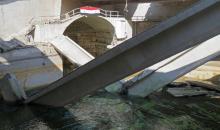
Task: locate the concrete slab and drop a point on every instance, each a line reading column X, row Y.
column 71, row 50
column 11, row 90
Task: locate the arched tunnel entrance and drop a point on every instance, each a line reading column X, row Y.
column 93, row 33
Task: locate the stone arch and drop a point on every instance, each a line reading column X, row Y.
column 93, row 33
column 119, row 26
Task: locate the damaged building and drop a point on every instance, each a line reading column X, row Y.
column 55, row 52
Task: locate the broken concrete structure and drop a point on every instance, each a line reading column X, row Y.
column 189, row 28
column 176, row 68
column 11, row 90
column 59, row 36
column 38, row 23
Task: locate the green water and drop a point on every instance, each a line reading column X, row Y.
column 105, row 111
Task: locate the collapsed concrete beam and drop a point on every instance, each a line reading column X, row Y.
column 71, row 50
column 34, row 66
column 124, row 84
column 189, row 28
column 177, row 68
column 11, row 90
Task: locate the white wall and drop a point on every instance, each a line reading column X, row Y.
column 157, row 10
column 15, row 15
column 151, row 10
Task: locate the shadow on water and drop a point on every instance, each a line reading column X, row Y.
column 36, row 117
column 109, row 111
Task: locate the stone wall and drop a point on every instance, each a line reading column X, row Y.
column 92, row 40
column 141, row 26
column 146, row 15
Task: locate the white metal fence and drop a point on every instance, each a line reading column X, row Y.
column 70, row 14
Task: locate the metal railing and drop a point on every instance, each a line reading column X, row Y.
column 70, row 14
column 62, row 18
column 138, row 18
column 144, row 18
column 109, row 13
column 44, row 19
column 104, row 13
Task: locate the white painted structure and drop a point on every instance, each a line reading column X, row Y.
column 45, row 31
column 16, row 15
column 154, row 11
column 34, row 66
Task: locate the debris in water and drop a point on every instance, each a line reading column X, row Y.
column 187, row 91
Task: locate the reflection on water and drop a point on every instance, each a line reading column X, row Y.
column 105, row 111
